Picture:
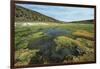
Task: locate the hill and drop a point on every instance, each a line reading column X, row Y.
column 26, row 15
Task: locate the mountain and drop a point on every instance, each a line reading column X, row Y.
column 26, row 15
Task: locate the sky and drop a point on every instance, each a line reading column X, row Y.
column 62, row 13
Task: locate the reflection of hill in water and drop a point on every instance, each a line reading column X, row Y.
column 57, row 32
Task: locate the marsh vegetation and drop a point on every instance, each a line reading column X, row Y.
column 53, row 43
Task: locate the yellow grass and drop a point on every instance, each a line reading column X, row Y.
column 84, row 34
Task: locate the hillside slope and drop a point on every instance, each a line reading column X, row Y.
column 25, row 15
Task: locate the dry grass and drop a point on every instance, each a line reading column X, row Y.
column 84, row 34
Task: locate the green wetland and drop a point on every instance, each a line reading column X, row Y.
column 51, row 43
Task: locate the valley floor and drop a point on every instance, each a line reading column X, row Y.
column 48, row 43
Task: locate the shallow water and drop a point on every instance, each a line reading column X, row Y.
column 57, row 32
column 51, row 34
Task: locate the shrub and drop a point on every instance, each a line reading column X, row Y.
column 88, row 57
column 23, row 56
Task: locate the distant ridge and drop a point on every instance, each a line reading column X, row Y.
column 25, row 15
column 84, row 21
